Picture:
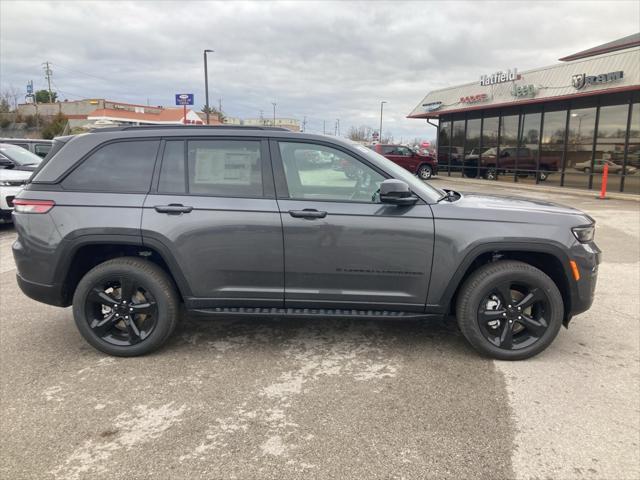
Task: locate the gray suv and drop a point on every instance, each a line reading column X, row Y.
column 132, row 224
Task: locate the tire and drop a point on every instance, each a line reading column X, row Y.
column 544, row 317
column 542, row 176
column 425, row 172
column 491, row 173
column 159, row 307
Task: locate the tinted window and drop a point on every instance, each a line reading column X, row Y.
column 172, row 178
column 42, row 149
column 116, row 167
column 225, row 168
column 333, row 175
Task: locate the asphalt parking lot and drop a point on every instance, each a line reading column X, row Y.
column 262, row 399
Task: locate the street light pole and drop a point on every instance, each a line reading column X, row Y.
column 206, row 84
column 274, row 113
column 380, row 130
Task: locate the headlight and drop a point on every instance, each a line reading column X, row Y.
column 584, row 234
column 4, row 184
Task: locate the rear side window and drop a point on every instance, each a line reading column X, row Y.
column 225, row 168
column 116, row 167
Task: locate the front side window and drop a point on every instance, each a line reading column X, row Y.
column 225, row 168
column 340, row 177
column 116, row 167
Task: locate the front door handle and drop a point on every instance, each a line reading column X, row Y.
column 307, row 213
column 173, row 209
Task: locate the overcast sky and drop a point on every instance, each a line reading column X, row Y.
column 322, row 60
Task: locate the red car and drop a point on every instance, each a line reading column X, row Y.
column 422, row 165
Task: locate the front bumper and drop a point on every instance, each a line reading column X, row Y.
column 587, row 257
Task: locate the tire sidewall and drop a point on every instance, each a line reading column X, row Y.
column 481, row 284
column 165, row 322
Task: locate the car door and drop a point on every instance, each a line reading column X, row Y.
column 406, row 158
column 343, row 248
column 213, row 213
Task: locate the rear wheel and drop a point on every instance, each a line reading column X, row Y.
column 126, row 307
column 425, row 172
column 509, row 310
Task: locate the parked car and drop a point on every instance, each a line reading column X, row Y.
column 422, row 165
column 130, row 225
column 512, row 159
column 598, row 167
column 40, row 147
column 17, row 158
column 11, row 182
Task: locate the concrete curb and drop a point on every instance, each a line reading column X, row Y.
column 537, row 188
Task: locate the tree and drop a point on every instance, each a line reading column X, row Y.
column 42, row 96
column 214, row 111
column 360, row 134
column 56, row 127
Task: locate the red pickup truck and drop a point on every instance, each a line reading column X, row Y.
column 422, row 165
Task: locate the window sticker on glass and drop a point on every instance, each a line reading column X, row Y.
column 219, row 166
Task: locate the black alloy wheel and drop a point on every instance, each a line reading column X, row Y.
column 509, row 310
column 121, row 312
column 126, row 306
column 512, row 315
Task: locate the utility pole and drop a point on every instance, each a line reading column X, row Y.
column 324, row 130
column 380, row 131
column 337, row 126
column 274, row 113
column 262, row 117
column 304, row 124
column 206, row 84
column 220, row 106
column 47, row 74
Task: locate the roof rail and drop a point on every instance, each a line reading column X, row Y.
column 173, row 127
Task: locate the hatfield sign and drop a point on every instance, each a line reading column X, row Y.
column 583, row 80
column 500, row 77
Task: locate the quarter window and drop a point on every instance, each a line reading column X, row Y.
column 316, row 172
column 172, row 177
column 41, row 150
column 225, row 168
column 116, row 167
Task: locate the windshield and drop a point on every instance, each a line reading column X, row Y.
column 20, row 155
column 417, row 185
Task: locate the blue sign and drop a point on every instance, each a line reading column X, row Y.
column 184, row 98
column 30, row 87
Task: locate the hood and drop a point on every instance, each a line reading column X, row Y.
column 13, row 174
column 515, row 203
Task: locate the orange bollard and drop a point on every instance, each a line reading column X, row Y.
column 605, row 176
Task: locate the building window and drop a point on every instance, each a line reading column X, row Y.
column 632, row 178
column 472, row 147
column 578, row 166
column 444, row 140
column 610, row 140
column 552, row 145
column 528, row 141
column 457, row 146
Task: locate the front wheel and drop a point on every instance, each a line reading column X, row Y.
column 425, row 172
column 509, row 310
column 126, row 307
column 491, row 173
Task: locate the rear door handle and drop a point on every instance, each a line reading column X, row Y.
column 173, row 209
column 307, row 213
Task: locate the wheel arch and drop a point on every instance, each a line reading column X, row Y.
column 549, row 258
column 88, row 251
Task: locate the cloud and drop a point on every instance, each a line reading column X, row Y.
column 322, row 60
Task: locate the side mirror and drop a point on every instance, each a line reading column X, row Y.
column 6, row 163
column 396, row 192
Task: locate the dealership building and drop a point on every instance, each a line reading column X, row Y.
column 559, row 124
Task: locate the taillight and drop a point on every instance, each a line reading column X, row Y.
column 24, row 205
